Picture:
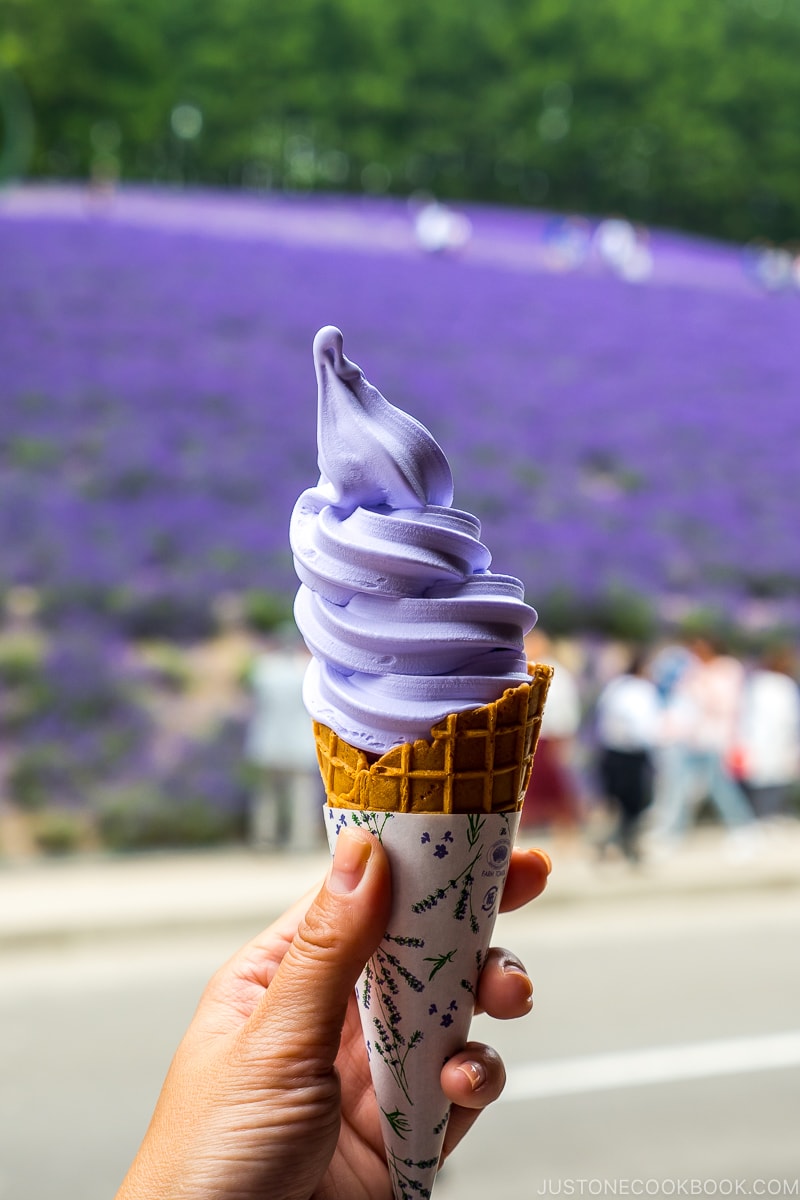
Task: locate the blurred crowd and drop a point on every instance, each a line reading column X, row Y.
column 634, row 757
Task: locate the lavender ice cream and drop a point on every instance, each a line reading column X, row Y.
column 403, row 618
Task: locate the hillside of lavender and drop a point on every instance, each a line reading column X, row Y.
column 619, row 407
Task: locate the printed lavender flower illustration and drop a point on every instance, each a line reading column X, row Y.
column 441, row 1124
column 373, row 822
column 407, row 1187
column 476, row 823
column 381, row 987
column 439, row 961
column 398, row 1121
column 462, row 884
column 340, row 819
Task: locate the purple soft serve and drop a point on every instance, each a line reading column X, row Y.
column 397, row 605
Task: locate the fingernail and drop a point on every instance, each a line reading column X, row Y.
column 350, row 858
column 510, row 968
column 474, row 1074
column 545, row 857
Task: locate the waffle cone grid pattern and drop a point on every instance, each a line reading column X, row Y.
column 476, row 761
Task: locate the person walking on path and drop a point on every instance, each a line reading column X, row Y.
column 700, row 731
column 286, row 807
column 552, row 800
column 769, row 735
column 627, row 722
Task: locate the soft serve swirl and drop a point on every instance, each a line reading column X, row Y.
column 397, row 605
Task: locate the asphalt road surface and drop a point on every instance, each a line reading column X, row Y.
column 662, row 1058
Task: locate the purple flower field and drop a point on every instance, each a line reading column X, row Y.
column 617, row 439
column 158, row 399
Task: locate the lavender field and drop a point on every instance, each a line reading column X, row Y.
column 624, row 440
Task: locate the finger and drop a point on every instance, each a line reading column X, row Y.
column 470, row 1080
column 304, row 1007
column 505, row 990
column 260, row 957
column 527, row 878
column 236, row 987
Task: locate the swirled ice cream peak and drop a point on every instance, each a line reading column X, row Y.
column 404, row 620
column 369, row 451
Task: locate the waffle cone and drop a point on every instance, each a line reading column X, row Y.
column 476, row 761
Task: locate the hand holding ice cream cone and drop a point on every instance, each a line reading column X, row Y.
column 269, row 1093
column 426, row 716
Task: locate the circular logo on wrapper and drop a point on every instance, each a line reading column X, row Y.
column 490, row 899
column 497, row 854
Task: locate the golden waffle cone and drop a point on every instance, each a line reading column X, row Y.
column 476, row 761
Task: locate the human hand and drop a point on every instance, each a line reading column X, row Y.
column 269, row 1093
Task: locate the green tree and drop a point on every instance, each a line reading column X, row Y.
column 679, row 114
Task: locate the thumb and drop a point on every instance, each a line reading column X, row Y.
column 300, row 1018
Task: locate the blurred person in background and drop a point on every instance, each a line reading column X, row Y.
column 287, row 802
column 552, row 800
column 628, row 718
column 667, row 667
column 699, row 734
column 769, row 734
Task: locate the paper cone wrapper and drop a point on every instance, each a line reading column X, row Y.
column 417, row 993
column 446, row 810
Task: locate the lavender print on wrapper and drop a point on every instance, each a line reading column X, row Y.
column 417, row 993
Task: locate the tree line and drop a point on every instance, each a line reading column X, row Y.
column 679, row 114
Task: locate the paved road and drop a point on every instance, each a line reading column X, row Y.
column 86, row 1033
